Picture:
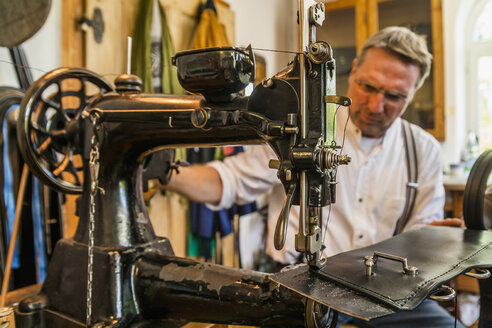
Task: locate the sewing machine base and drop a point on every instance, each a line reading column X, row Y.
column 147, row 286
column 47, row 318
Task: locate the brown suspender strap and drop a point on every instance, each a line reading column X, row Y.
column 412, row 173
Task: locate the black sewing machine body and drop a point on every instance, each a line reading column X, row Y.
column 137, row 280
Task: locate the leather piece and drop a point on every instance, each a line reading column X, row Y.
column 309, row 283
column 439, row 253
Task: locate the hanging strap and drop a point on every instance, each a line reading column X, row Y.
column 412, row 173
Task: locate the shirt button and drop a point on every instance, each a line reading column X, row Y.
column 357, row 131
column 360, row 236
column 361, row 200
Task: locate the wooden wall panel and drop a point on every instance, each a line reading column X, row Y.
column 71, row 35
column 79, row 48
column 108, row 58
column 182, row 20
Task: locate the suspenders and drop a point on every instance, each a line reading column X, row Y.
column 412, row 173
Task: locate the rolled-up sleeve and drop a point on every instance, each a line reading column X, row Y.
column 245, row 176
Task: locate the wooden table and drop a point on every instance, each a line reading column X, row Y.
column 455, row 188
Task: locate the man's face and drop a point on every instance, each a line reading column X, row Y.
column 380, row 88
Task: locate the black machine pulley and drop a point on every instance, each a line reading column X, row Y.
column 49, row 125
column 477, row 205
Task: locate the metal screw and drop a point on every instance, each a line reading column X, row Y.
column 267, row 83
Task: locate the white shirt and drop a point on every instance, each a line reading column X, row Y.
column 370, row 194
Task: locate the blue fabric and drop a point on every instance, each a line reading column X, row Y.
column 427, row 315
column 205, row 222
column 38, row 232
column 201, row 220
column 8, row 189
column 208, row 5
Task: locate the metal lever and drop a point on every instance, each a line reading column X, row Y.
column 339, row 100
column 370, row 261
column 443, row 298
column 283, row 219
column 481, row 273
column 174, row 166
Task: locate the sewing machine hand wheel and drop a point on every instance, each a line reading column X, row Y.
column 476, row 205
column 49, row 125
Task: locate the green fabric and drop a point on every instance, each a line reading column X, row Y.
column 141, row 57
column 194, row 246
column 218, row 156
column 170, row 83
column 141, row 45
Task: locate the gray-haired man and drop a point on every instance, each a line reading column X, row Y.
column 371, row 193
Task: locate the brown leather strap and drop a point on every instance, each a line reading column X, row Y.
column 412, row 174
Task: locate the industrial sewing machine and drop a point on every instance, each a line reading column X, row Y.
column 79, row 135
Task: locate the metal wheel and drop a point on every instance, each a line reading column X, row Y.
column 50, row 123
column 320, row 316
column 473, row 198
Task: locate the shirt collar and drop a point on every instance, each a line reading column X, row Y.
column 353, row 132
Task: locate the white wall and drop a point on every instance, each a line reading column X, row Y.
column 455, row 14
column 268, row 24
column 42, row 50
column 274, row 27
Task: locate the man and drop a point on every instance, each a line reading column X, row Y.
column 371, row 190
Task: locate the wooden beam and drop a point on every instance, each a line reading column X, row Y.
column 361, row 28
column 339, row 4
column 438, row 70
column 72, row 38
column 372, row 16
column 72, row 55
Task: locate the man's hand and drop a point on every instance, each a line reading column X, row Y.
column 448, row 222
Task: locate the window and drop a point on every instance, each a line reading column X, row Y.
column 480, row 73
